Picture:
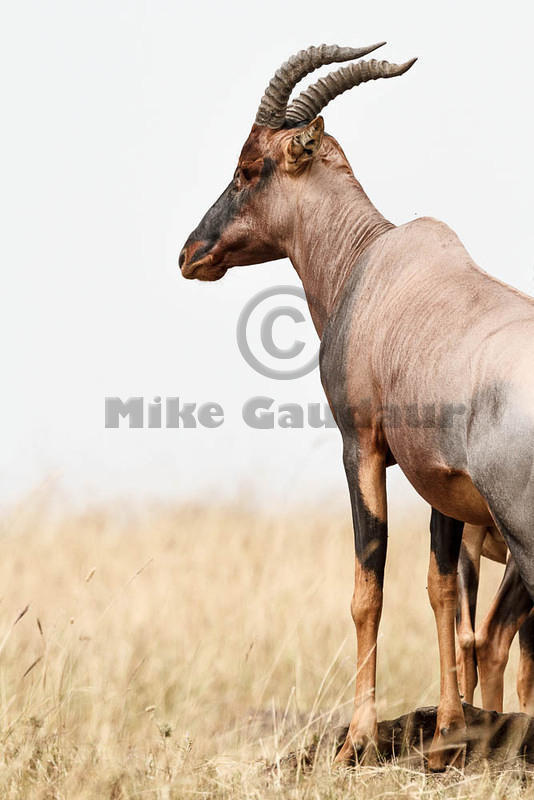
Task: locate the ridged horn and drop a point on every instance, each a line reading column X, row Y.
column 310, row 102
column 272, row 109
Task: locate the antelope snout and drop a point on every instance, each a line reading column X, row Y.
column 194, row 262
column 187, row 254
column 187, row 259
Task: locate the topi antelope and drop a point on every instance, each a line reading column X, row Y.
column 406, row 320
column 487, row 649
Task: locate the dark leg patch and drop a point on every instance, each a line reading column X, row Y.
column 445, row 541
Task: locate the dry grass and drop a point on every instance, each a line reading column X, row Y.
column 168, row 652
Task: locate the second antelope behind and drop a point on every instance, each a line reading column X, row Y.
column 406, row 319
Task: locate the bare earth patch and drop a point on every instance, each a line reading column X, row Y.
column 499, row 740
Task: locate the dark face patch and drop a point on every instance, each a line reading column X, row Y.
column 249, row 178
column 217, row 218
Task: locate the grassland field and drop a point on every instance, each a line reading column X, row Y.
column 172, row 651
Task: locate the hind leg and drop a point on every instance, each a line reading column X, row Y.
column 508, row 611
column 468, row 573
column 525, row 674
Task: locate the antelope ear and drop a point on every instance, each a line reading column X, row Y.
column 304, row 145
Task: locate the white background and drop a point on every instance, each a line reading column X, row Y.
column 122, row 123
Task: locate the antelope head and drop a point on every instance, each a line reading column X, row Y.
column 252, row 221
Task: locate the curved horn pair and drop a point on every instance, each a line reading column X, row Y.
column 273, row 111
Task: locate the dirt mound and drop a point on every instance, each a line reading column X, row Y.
column 498, row 738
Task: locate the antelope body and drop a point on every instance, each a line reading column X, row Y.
column 407, row 321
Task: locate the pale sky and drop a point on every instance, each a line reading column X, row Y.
column 122, row 123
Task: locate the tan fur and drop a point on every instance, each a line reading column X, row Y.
column 372, row 485
column 366, row 611
column 450, row 722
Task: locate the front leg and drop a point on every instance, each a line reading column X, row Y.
column 446, row 539
column 468, row 573
column 365, row 466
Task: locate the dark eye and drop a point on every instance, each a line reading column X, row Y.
column 242, row 176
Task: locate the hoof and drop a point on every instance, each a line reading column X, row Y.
column 356, row 749
column 447, row 749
